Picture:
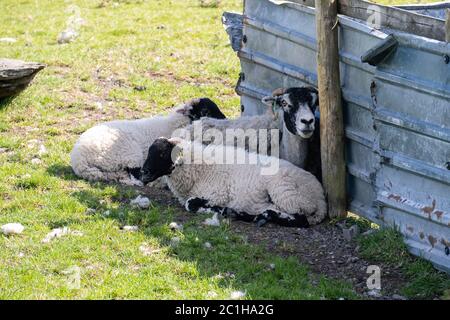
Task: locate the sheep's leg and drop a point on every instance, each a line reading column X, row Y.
column 201, row 205
column 282, row 219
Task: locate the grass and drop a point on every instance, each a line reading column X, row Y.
column 423, row 281
column 122, row 45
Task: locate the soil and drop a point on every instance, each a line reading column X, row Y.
column 322, row 247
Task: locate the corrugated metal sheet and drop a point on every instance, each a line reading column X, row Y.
column 397, row 114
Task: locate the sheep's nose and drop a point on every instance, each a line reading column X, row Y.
column 307, row 122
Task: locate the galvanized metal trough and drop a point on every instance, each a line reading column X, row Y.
column 396, row 91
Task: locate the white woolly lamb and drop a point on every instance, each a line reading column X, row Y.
column 116, row 150
column 264, row 189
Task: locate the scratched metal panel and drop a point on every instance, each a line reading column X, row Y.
column 397, row 115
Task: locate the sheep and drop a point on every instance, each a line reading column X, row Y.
column 262, row 189
column 116, row 150
column 295, row 119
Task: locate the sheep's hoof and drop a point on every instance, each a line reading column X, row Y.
column 195, row 204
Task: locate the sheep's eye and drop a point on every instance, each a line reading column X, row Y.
column 284, row 104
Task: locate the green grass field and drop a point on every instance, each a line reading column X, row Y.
column 177, row 50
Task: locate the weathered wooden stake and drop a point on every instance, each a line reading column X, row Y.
column 331, row 116
column 447, row 27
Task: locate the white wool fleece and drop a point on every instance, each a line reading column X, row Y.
column 242, row 187
column 105, row 151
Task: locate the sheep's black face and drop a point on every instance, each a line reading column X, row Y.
column 204, row 107
column 299, row 106
column 159, row 161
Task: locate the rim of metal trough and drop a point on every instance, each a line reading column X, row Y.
column 400, row 18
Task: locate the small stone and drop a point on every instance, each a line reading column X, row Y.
column 175, row 226
column 374, row 293
column 398, row 297
column 141, row 202
column 12, row 228
column 67, row 36
column 350, row 233
column 352, row 259
column 3, row 150
column 212, row 222
column 208, row 245
column 90, row 211
column 211, row 295
column 272, row 266
column 8, row 40
column 42, row 150
column 237, row 295
column 107, row 213
column 130, row 228
column 60, row 232
column 36, row 161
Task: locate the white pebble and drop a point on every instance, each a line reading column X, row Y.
column 60, row 232
column 36, row 161
column 8, row 40
column 90, row 211
column 67, row 36
column 141, row 202
column 175, row 226
column 130, row 228
column 42, row 150
column 237, row 295
column 12, row 228
column 208, row 245
column 107, row 213
column 212, row 222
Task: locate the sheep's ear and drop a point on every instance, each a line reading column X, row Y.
column 278, row 92
column 175, row 140
column 185, row 110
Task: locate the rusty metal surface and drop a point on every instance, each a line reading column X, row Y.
column 397, row 115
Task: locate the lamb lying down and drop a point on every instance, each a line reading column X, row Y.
column 262, row 190
column 116, row 150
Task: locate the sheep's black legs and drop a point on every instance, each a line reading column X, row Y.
column 201, row 205
column 282, row 219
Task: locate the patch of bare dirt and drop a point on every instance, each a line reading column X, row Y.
column 322, row 247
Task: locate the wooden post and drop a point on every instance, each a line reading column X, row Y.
column 447, row 27
column 330, row 101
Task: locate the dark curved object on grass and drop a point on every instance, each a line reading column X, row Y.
column 15, row 75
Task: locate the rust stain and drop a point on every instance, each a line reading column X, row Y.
column 439, row 214
column 421, row 235
column 432, row 240
column 395, row 197
column 429, row 210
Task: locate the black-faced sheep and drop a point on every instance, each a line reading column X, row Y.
column 262, row 189
column 291, row 112
column 116, row 150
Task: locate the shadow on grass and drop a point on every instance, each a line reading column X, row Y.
column 4, row 102
column 62, row 171
column 236, row 263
